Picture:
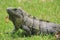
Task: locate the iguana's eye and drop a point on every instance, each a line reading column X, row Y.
column 15, row 9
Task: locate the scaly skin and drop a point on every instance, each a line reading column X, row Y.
column 30, row 24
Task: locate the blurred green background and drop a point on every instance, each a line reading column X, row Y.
column 42, row 9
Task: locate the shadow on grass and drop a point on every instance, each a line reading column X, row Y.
column 22, row 34
column 19, row 34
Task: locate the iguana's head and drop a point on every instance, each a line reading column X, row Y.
column 15, row 13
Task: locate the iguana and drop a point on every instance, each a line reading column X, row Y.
column 31, row 25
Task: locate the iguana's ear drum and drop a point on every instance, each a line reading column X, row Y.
column 21, row 13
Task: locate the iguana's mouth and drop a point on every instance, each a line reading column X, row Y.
column 11, row 11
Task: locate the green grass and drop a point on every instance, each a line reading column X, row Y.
column 46, row 9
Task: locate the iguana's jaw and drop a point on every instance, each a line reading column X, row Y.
column 10, row 13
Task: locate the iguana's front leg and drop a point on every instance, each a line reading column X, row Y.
column 27, row 29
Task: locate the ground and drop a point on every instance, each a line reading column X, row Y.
column 43, row 9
